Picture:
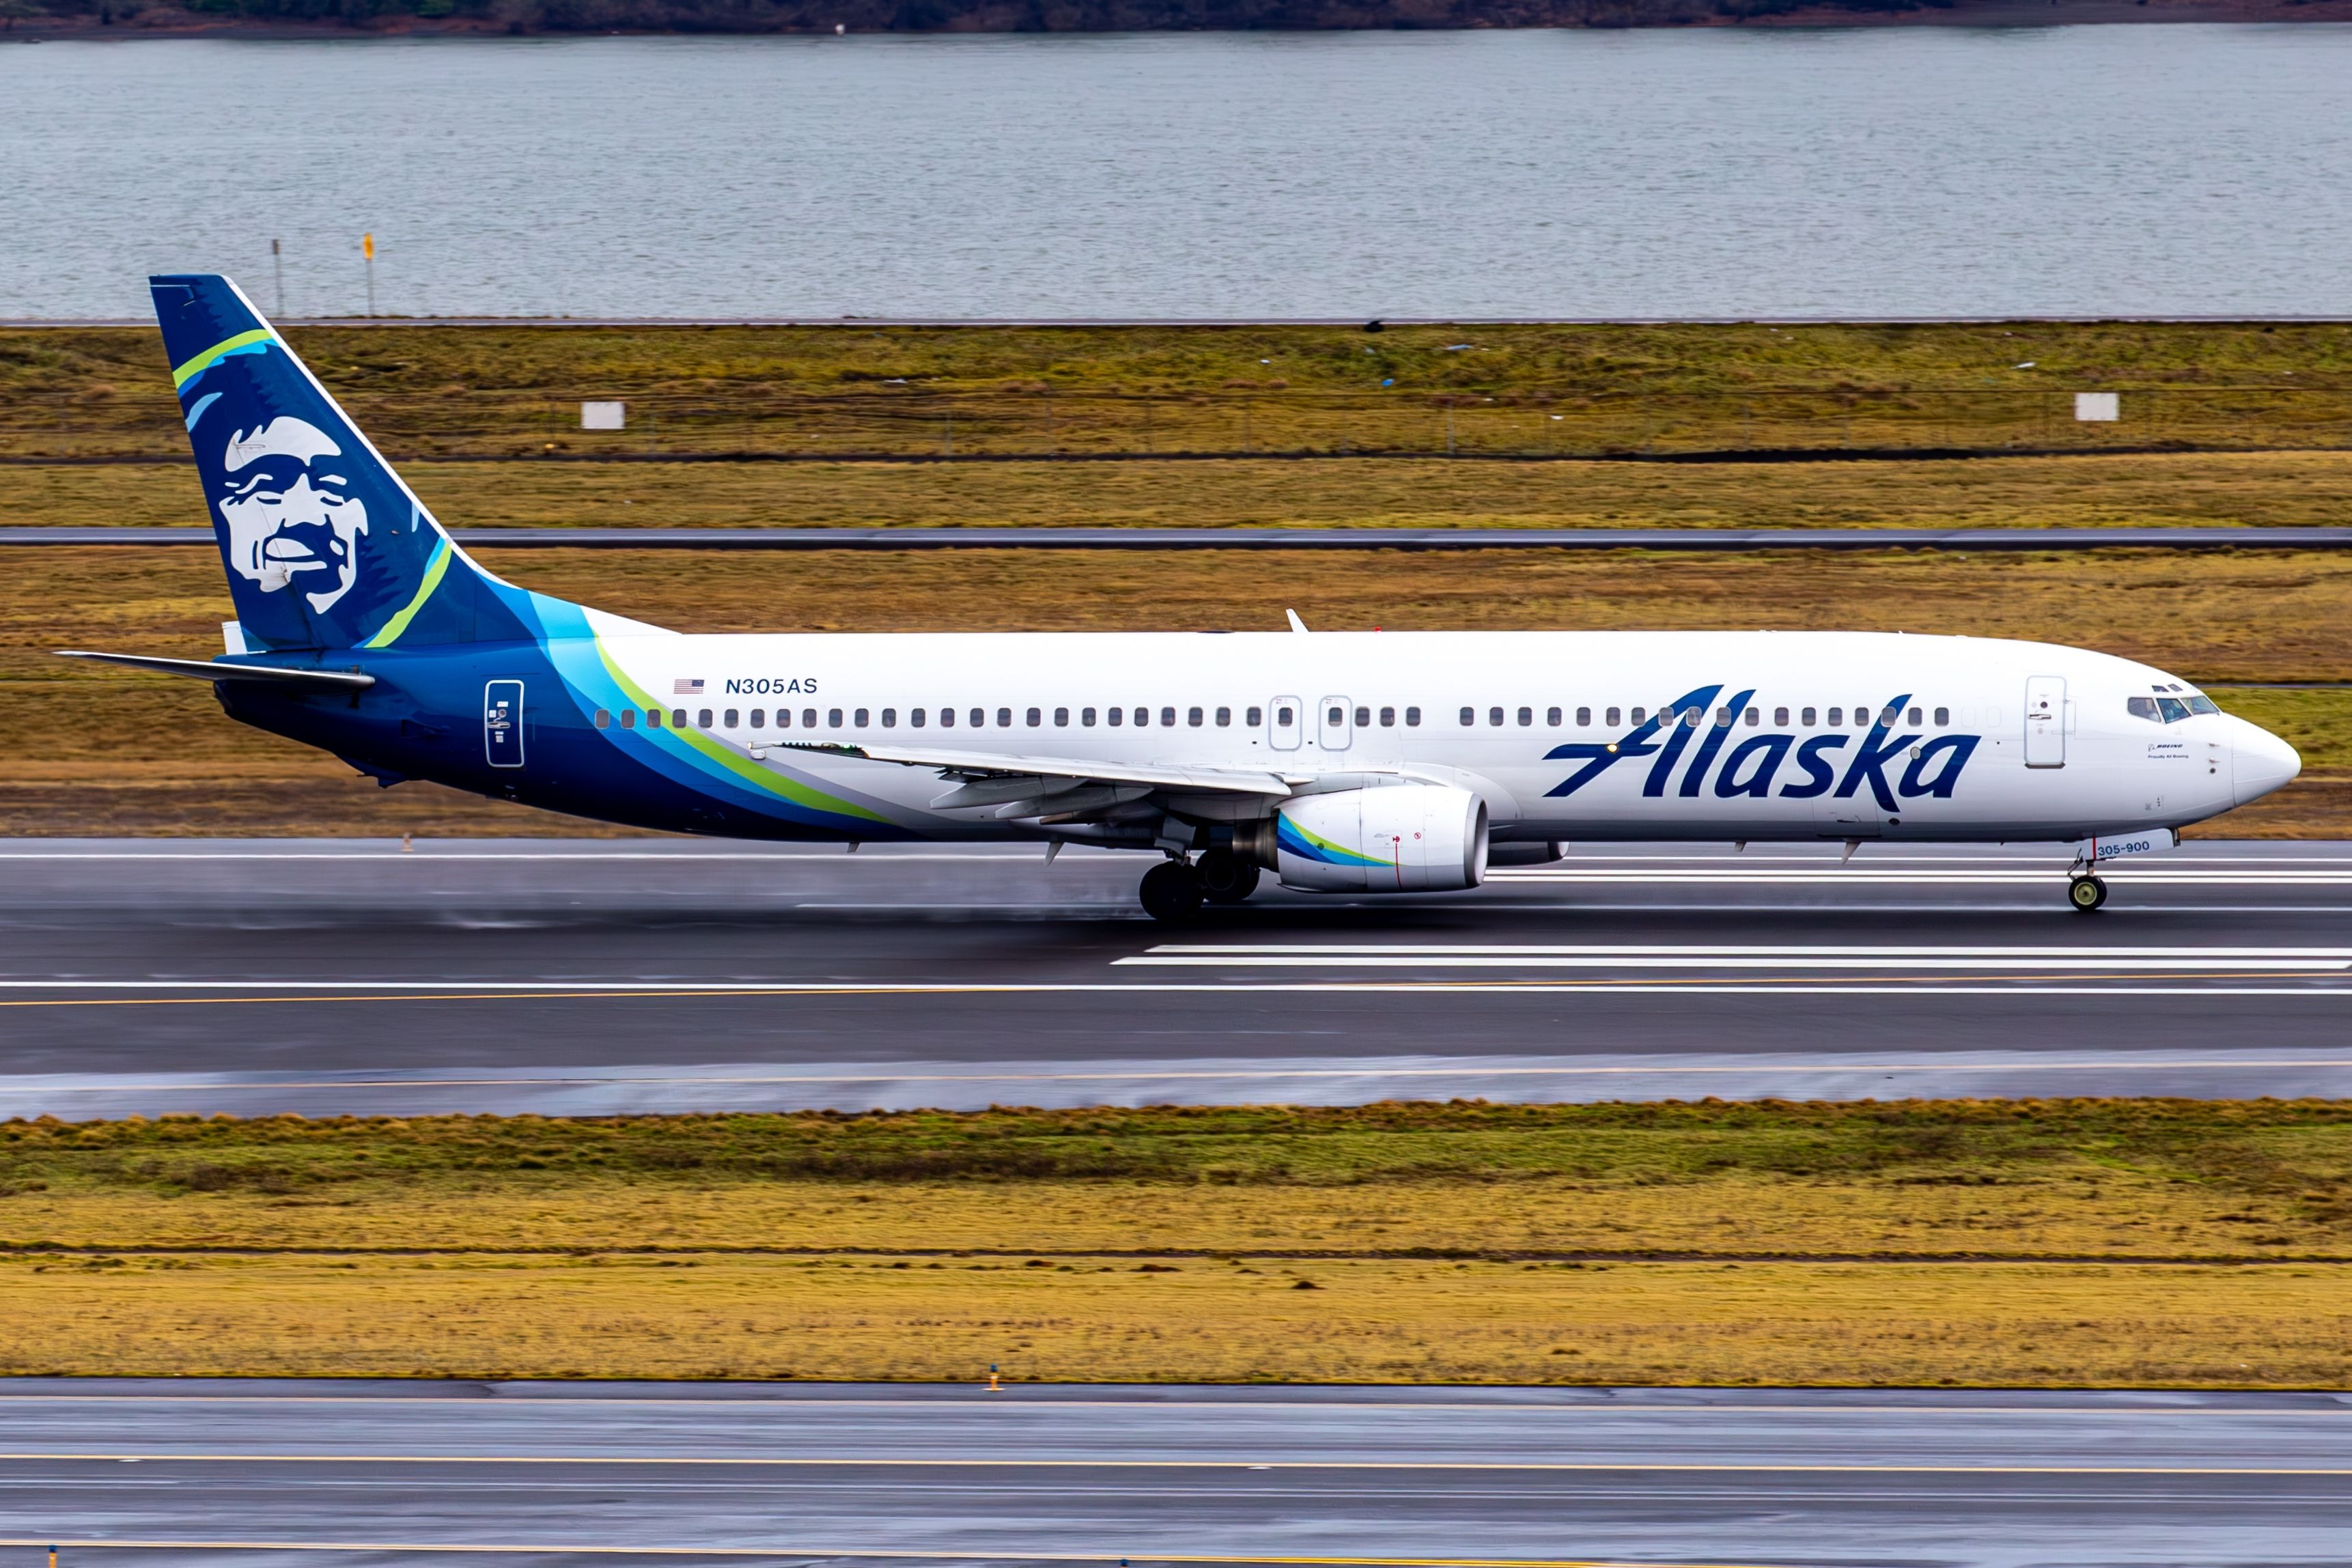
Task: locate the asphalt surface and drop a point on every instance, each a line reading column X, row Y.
column 1687, row 538
column 132, row 1473
column 331, row 976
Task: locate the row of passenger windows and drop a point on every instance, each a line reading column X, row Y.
column 1194, row 717
column 1725, row 716
column 976, row 718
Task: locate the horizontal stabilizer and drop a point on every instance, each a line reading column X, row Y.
column 209, row 670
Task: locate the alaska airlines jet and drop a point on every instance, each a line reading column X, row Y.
column 1356, row 762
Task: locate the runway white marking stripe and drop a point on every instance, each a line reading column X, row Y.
column 862, row 1554
column 258, row 993
column 2135, row 876
column 1477, row 1467
column 1572, row 961
column 1752, row 950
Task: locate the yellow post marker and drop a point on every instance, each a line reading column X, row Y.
column 994, row 1387
column 367, row 248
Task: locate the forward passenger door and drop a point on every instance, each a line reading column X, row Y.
column 2045, row 721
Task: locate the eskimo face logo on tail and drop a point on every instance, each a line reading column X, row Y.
column 292, row 517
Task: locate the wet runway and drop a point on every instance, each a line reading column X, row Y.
column 325, row 976
column 132, row 1474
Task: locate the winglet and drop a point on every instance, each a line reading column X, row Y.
column 1295, row 624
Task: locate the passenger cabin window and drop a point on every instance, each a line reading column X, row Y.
column 1364, row 717
column 1469, row 716
column 1551, row 717
column 1780, row 717
column 1086, row 717
column 734, row 717
column 1754, row 718
column 1527, row 718
column 1036, row 717
column 1388, row 718
column 603, row 718
column 980, row 717
column 1413, row 717
column 702, row 720
column 1256, row 716
column 1225, row 719
column 1616, row 718
column 628, row 718
column 915, row 717
column 889, row 717
column 1915, row 718
column 1194, row 718
column 1584, row 717
column 1495, row 716
column 1837, row 717
column 861, row 717
column 1118, row 716
column 783, row 717
column 653, row 718
column 808, row 718
column 1806, row 717
column 946, row 718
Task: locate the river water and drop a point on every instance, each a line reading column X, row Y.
column 1867, row 171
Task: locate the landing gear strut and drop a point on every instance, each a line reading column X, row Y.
column 2086, row 893
column 1171, row 893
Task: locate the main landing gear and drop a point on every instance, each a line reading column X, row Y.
column 2085, row 893
column 1174, row 890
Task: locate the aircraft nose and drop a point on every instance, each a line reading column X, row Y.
column 2259, row 763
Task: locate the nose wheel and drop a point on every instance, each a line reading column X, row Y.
column 2085, row 894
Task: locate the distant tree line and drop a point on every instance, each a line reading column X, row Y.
column 944, row 16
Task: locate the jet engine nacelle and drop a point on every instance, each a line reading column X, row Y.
column 1394, row 839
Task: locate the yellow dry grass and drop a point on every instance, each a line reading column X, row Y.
column 2076, row 1215
column 1104, row 1319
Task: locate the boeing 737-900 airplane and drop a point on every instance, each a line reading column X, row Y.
column 1360, row 763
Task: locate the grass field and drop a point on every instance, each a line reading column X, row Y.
column 2077, row 1243
column 2251, row 489
column 1525, row 388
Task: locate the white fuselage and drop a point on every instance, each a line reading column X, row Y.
column 1798, row 734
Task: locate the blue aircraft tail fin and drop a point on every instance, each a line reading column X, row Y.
column 325, row 547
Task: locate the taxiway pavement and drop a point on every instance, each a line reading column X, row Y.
column 342, row 1474
column 576, row 976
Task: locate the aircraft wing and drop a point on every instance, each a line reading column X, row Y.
column 207, row 669
column 1006, row 779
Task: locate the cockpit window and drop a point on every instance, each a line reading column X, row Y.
column 2168, row 710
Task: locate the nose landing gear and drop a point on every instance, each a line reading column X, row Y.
column 2086, row 893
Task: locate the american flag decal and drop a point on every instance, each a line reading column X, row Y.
column 686, row 689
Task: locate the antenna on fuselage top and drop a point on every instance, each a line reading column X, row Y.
column 1295, row 624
